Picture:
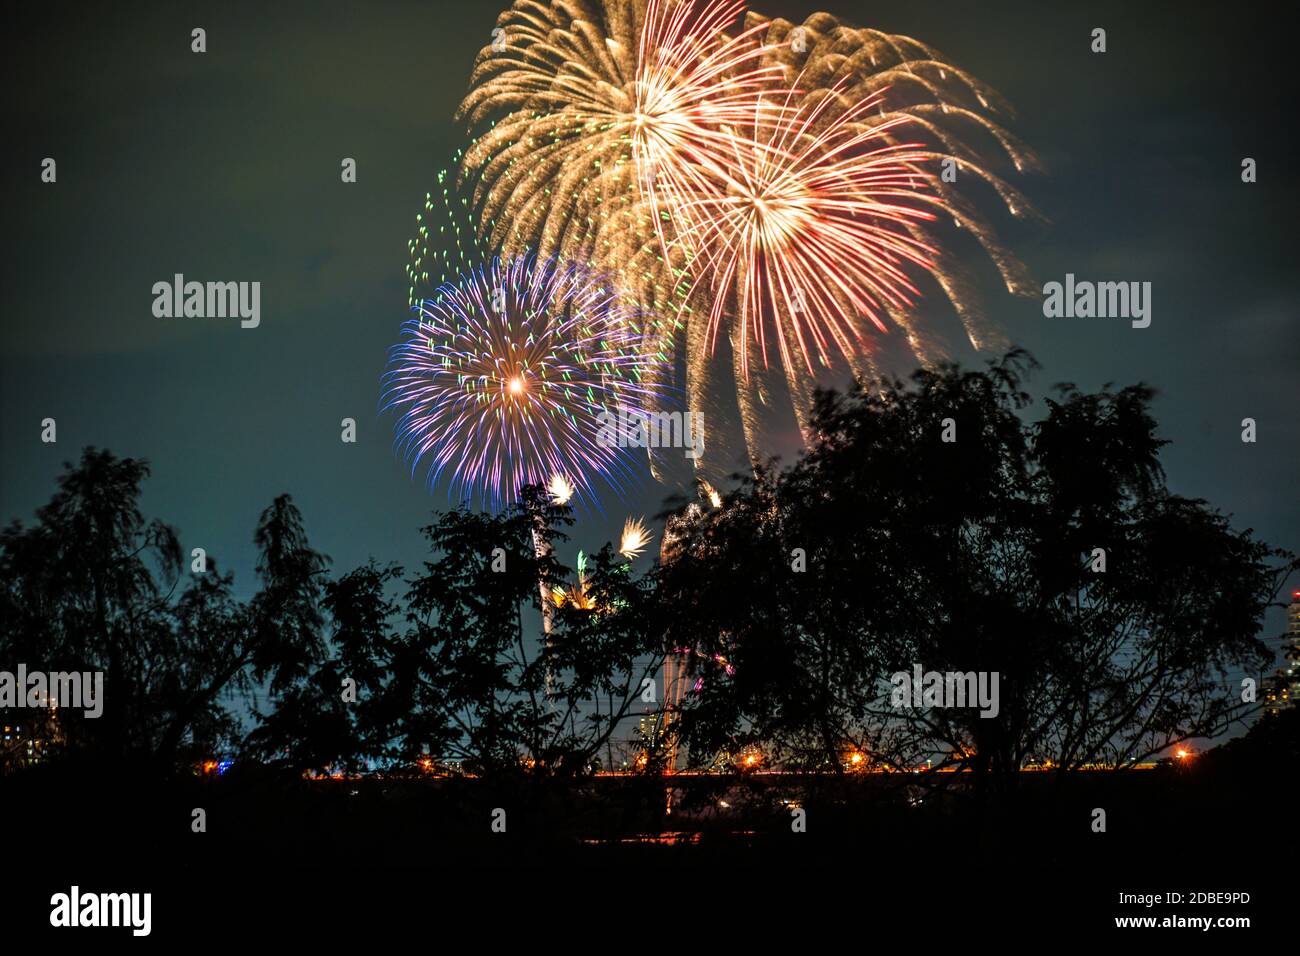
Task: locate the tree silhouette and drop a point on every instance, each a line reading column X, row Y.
column 95, row 586
column 92, row 586
column 930, row 524
column 969, row 555
column 308, row 727
column 472, row 673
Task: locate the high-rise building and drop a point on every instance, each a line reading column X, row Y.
column 675, row 678
column 1282, row 690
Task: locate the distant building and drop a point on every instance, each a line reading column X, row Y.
column 29, row 736
column 1292, row 664
column 1282, row 690
column 647, row 727
column 675, row 677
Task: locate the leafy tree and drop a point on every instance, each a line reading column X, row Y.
column 973, row 555
column 95, row 586
column 90, row 587
column 308, row 727
column 366, row 648
column 475, row 680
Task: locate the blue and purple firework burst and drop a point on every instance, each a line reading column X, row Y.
column 506, row 376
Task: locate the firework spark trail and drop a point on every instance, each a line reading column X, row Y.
column 446, row 244
column 947, row 107
column 502, row 379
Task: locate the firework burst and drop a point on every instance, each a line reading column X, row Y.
column 839, row 212
column 952, row 114
column 813, row 224
column 503, row 377
column 636, row 538
column 751, row 182
column 608, row 111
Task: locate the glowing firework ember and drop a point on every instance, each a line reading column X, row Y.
column 502, row 379
column 710, row 493
column 635, row 538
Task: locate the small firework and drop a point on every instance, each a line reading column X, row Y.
column 580, row 597
column 635, row 538
column 560, row 489
column 506, row 377
column 711, row 493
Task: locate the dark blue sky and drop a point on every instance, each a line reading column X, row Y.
column 225, row 166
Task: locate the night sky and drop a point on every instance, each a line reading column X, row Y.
column 225, row 166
